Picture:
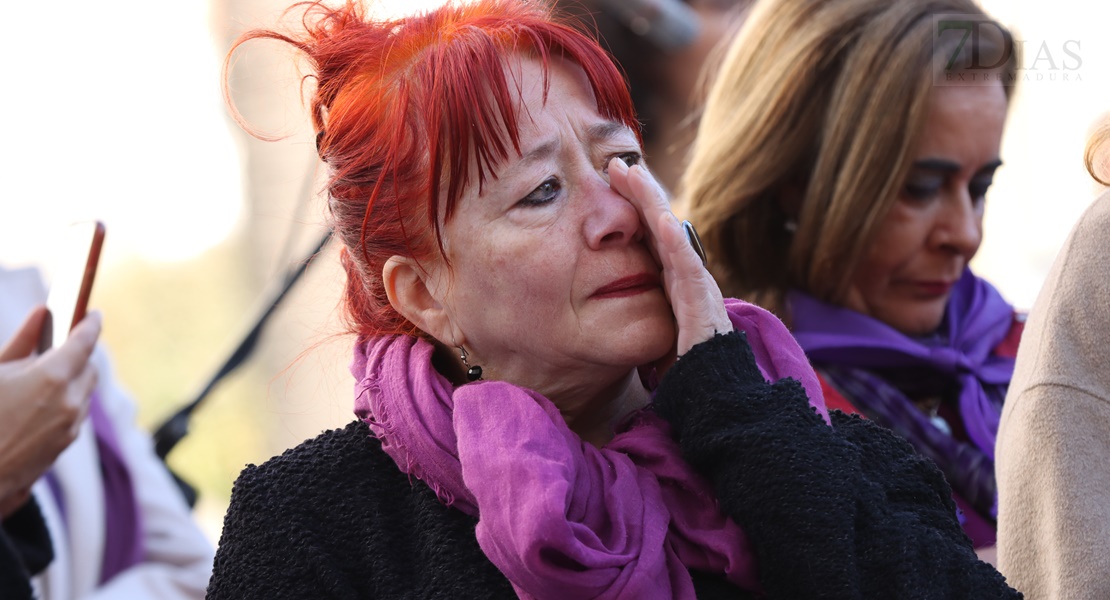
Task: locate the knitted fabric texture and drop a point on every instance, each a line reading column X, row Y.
column 557, row 515
column 848, row 511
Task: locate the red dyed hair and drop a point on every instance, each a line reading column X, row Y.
column 405, row 108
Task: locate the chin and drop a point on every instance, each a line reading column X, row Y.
column 644, row 341
column 920, row 324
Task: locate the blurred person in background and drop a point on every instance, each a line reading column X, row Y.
column 668, row 49
column 118, row 523
column 43, row 399
column 839, row 175
column 1054, row 438
column 553, row 398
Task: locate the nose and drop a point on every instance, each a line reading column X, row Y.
column 960, row 225
column 610, row 218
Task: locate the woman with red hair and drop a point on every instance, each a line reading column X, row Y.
column 553, row 399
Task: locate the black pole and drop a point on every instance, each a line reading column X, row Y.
column 170, row 432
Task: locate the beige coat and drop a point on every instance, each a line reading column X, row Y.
column 1053, row 450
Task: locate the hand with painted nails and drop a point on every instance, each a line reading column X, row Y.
column 43, row 400
column 694, row 296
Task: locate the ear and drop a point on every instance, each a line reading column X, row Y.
column 417, row 295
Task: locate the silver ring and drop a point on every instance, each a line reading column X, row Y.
column 695, row 241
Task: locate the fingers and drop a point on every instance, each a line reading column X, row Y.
column 26, row 338
column 654, row 206
column 80, row 392
column 635, row 184
column 69, row 360
column 684, row 261
column 694, row 296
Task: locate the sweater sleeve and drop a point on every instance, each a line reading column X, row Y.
column 848, row 511
column 25, row 550
column 335, row 518
column 269, row 549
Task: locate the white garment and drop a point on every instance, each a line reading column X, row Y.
column 178, row 560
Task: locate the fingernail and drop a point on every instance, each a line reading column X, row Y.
column 96, row 317
column 621, row 167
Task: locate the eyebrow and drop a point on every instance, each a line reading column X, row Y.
column 598, row 132
column 605, row 131
column 947, row 166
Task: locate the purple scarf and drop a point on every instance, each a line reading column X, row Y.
column 559, row 517
column 123, row 532
column 875, row 365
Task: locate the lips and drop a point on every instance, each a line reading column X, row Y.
column 933, row 288
column 628, row 286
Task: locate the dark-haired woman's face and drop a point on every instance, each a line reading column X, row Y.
column 935, row 226
column 550, row 277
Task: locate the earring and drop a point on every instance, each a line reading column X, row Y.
column 790, row 225
column 472, row 373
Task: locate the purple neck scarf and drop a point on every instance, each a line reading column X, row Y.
column 559, row 517
column 875, row 364
column 123, row 534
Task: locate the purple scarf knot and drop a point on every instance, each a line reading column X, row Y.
column 875, row 365
column 559, row 517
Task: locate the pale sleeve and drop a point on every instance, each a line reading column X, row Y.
column 1054, row 518
column 1053, row 449
column 178, row 556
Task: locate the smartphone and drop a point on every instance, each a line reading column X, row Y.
column 71, row 280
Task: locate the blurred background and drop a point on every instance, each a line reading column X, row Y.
column 115, row 112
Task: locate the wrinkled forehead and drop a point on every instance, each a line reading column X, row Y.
column 544, row 93
column 526, row 96
column 533, row 80
column 544, row 99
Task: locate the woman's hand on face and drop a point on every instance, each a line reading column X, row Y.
column 695, row 298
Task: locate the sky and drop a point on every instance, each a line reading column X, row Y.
column 117, row 115
column 1043, row 186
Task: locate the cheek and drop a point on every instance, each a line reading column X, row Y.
column 889, row 254
column 514, row 276
column 880, row 259
column 900, row 239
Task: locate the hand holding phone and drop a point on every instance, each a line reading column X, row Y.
column 43, row 401
column 71, row 281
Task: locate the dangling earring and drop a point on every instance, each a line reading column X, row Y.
column 472, row 373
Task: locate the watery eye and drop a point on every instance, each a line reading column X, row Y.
column 544, row 193
column 631, row 158
column 628, row 158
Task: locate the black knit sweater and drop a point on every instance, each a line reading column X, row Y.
column 25, row 550
column 848, row 511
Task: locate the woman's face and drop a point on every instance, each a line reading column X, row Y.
column 551, row 279
column 935, row 226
